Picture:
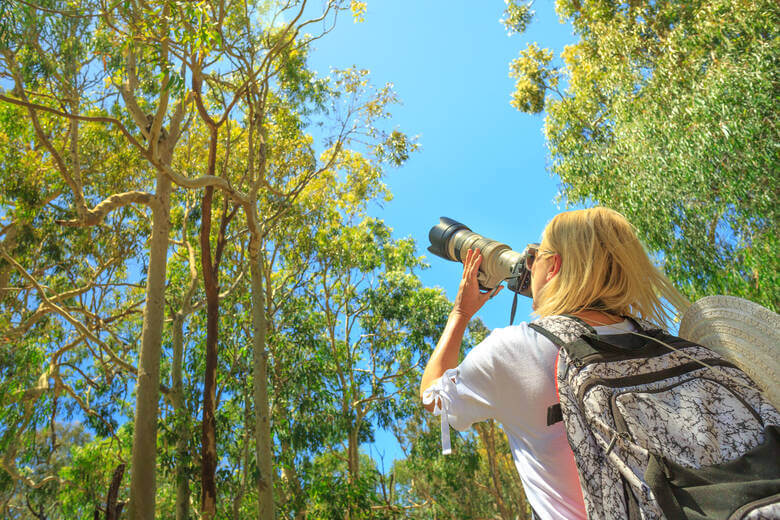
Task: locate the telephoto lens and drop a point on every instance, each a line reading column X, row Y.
column 451, row 240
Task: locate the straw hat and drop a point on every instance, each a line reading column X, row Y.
column 742, row 331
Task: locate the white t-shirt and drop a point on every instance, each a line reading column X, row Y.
column 510, row 377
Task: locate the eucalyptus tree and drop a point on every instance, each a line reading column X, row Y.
column 259, row 144
column 667, row 111
column 107, row 67
column 138, row 70
column 290, row 255
column 376, row 322
column 348, row 322
column 71, row 305
column 284, row 101
column 312, row 413
column 246, row 70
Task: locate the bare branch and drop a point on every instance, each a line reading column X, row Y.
column 127, row 90
column 204, row 181
column 95, row 216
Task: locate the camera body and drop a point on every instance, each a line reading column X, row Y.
column 451, row 239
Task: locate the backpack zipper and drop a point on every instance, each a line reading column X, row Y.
column 622, row 426
column 650, row 376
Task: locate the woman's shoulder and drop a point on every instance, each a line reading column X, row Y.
column 515, row 343
column 511, row 335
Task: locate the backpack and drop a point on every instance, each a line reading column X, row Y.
column 659, row 431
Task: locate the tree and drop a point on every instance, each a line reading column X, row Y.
column 52, row 56
column 324, row 223
column 666, row 111
column 149, row 121
column 70, row 307
column 378, row 322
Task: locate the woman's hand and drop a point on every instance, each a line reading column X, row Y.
column 470, row 298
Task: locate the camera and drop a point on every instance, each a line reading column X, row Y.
column 450, row 240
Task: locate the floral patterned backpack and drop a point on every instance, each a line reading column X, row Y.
column 662, row 427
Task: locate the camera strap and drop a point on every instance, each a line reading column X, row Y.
column 514, row 309
column 514, row 300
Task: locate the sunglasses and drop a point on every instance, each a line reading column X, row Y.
column 532, row 252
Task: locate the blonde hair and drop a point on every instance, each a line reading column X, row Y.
column 605, row 268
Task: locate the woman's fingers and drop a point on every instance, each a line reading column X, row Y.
column 468, row 264
column 477, row 261
column 471, row 297
column 472, row 263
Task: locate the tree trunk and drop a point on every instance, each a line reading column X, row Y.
column 487, row 432
column 353, row 460
column 177, row 398
column 181, row 414
column 144, row 456
column 209, row 423
column 244, row 459
column 263, row 451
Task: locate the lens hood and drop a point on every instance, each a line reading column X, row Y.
column 440, row 234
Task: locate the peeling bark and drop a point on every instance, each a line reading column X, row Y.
column 209, row 423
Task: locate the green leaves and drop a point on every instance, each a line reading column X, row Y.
column 517, row 16
column 669, row 117
column 396, row 148
column 534, row 78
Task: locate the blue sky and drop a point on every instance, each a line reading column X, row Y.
column 482, row 162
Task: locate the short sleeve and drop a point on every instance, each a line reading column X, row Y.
column 465, row 394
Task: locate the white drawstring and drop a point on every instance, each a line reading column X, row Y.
column 437, row 394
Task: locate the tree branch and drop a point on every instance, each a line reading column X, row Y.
column 95, row 216
column 65, row 314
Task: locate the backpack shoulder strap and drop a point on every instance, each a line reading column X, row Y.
column 561, row 329
column 579, row 340
column 565, row 332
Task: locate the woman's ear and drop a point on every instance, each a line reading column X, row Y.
column 554, row 267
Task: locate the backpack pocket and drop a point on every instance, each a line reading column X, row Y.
column 747, row 488
column 693, row 422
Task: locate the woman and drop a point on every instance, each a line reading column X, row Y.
column 591, row 265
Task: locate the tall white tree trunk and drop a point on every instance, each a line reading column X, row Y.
column 143, row 469
column 263, row 451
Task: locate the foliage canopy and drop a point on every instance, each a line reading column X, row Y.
column 667, row 112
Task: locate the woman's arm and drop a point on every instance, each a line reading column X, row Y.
column 468, row 301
